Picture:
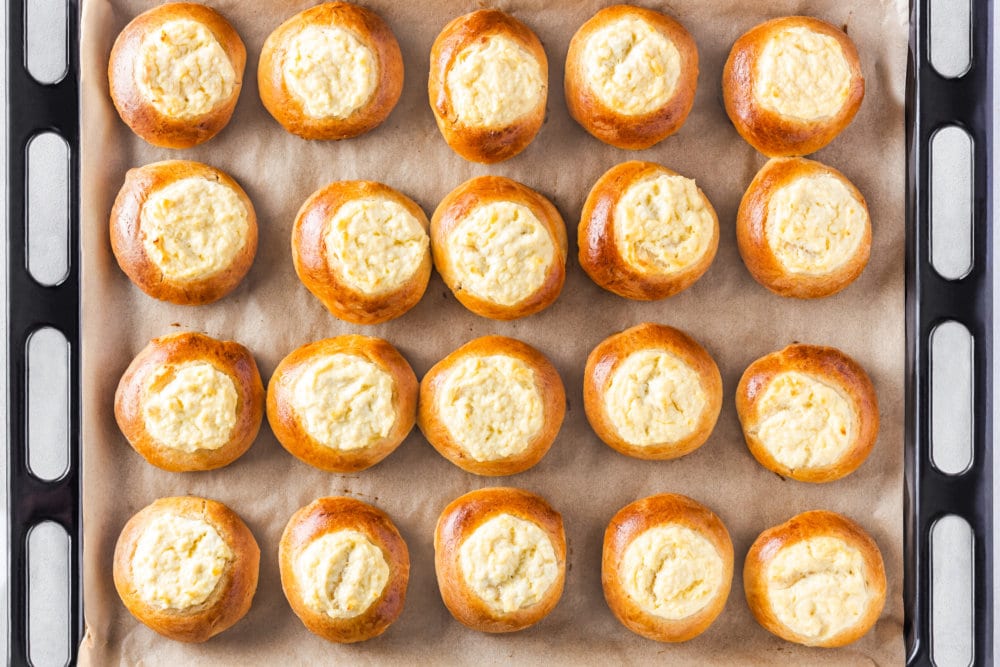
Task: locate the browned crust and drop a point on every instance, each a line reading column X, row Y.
column 599, row 254
column 479, row 143
column 227, row 357
column 328, row 515
column 751, row 223
column 804, row 526
column 459, row 203
column 633, row 132
column 546, row 379
column 289, row 430
column 136, row 111
column 372, row 31
column 459, row 520
column 635, row 519
column 309, row 254
column 830, row 366
column 233, row 595
column 127, row 235
column 769, row 132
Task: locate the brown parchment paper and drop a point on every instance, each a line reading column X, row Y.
column 272, row 313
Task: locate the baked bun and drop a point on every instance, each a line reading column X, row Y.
column 500, row 558
column 175, row 74
column 344, row 569
column 631, row 75
column 803, row 229
column 500, row 247
column 183, row 232
column 362, row 249
column 667, row 567
column 488, row 84
column 493, row 406
column 332, row 71
column 808, row 412
column 817, row 579
column 646, row 232
column 652, row 392
column 791, row 85
column 342, row 404
column 190, row 402
column 186, row 567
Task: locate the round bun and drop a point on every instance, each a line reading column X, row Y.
column 803, row 229
column 332, row 71
column 808, row 412
column 646, row 232
column 190, row 402
column 670, row 384
column 667, row 567
column 792, row 84
column 500, row 247
column 500, row 558
column 493, row 406
column 190, row 101
column 320, row 542
column 488, row 84
column 631, row 75
column 183, row 232
column 342, row 404
column 817, row 579
column 362, row 249
column 208, row 582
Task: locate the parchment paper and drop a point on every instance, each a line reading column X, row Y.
column 272, row 313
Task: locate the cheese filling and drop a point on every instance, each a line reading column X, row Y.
column 802, row 74
column 341, row 574
column 494, row 82
column 190, row 406
column 330, row 71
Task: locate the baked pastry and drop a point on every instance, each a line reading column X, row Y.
column 791, row 85
column 342, row 404
column 493, row 406
column 646, row 232
column 808, row 412
column 803, row 229
column 175, row 74
column 667, row 567
column 183, row 232
column 186, row 567
column 500, row 558
column 631, row 75
column 817, row 579
column 332, row 71
column 362, row 249
column 488, row 84
column 190, row 402
column 344, row 569
column 652, row 392
column 500, row 247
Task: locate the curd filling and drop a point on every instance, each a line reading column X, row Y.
column 341, row 574
column 802, row 74
column 190, row 406
column 330, row 71
column 494, row 82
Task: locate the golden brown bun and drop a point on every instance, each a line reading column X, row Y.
column 309, row 254
column 599, row 253
column 369, row 28
column 233, row 594
column 461, row 201
column 807, row 525
column 327, row 515
column 288, row 427
column 228, row 357
column 605, row 359
column 132, row 104
column 631, row 131
column 549, row 386
column 478, row 143
column 830, row 366
column 775, row 134
column 127, row 235
column 635, row 519
column 459, row 520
